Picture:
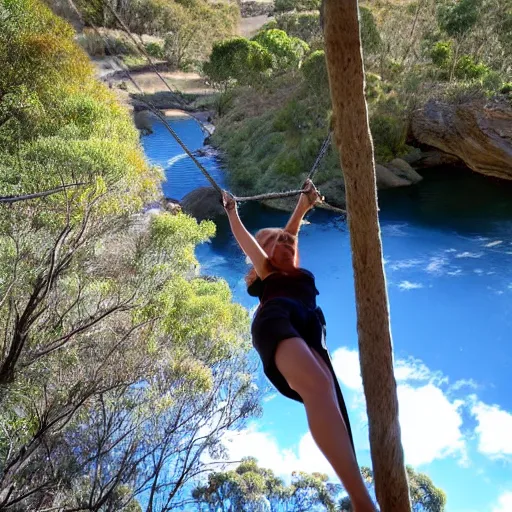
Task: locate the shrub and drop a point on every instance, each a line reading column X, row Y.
column 389, row 133
column 492, row 82
column 237, row 60
column 457, row 18
column 374, row 90
column 296, row 5
column 155, row 50
column 441, row 54
column 288, row 163
column 291, row 118
column 467, row 69
column 370, row 37
column 92, row 43
column 314, row 70
column 304, row 25
column 506, row 88
column 461, row 92
column 286, row 51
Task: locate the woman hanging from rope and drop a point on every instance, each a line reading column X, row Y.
column 288, row 332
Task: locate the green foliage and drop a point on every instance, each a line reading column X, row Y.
column 506, row 88
column 425, row 496
column 247, row 62
column 248, row 486
column 314, row 70
column 304, row 25
column 467, row 69
column 442, row 54
column 189, row 28
column 192, row 29
column 114, row 352
column 441, row 32
column 389, row 133
column 274, row 148
column 457, row 18
column 286, row 51
column 237, row 60
column 38, row 49
column 296, row 5
column 288, row 164
column 155, row 50
column 370, row 37
column 375, row 88
column 492, row 82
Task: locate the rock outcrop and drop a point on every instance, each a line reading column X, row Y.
column 403, row 170
column 479, row 132
column 171, row 205
column 334, row 192
column 436, row 158
column 202, row 203
column 386, row 178
column 144, row 121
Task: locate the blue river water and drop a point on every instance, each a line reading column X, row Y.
column 448, row 258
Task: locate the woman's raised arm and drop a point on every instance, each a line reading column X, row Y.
column 306, row 201
column 246, row 241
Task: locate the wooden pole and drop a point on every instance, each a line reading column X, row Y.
column 353, row 139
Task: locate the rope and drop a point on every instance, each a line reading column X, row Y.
column 331, row 208
column 269, row 195
column 321, row 153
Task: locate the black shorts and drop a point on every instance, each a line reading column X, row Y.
column 283, row 318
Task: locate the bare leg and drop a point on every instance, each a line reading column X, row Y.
column 327, row 372
column 313, row 382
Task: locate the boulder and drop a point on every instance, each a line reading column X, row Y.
column 207, row 151
column 386, row 178
column 436, row 158
column 171, row 205
column 413, row 156
column 403, row 170
column 202, row 203
column 334, row 192
column 200, row 152
column 144, row 121
column 479, row 132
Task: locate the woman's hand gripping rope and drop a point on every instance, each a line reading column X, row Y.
column 311, row 194
column 228, row 201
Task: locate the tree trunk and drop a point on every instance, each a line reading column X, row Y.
column 412, row 39
column 352, row 136
column 454, row 62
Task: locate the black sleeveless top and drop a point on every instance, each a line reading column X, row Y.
column 299, row 286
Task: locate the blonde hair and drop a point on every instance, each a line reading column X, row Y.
column 267, row 236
